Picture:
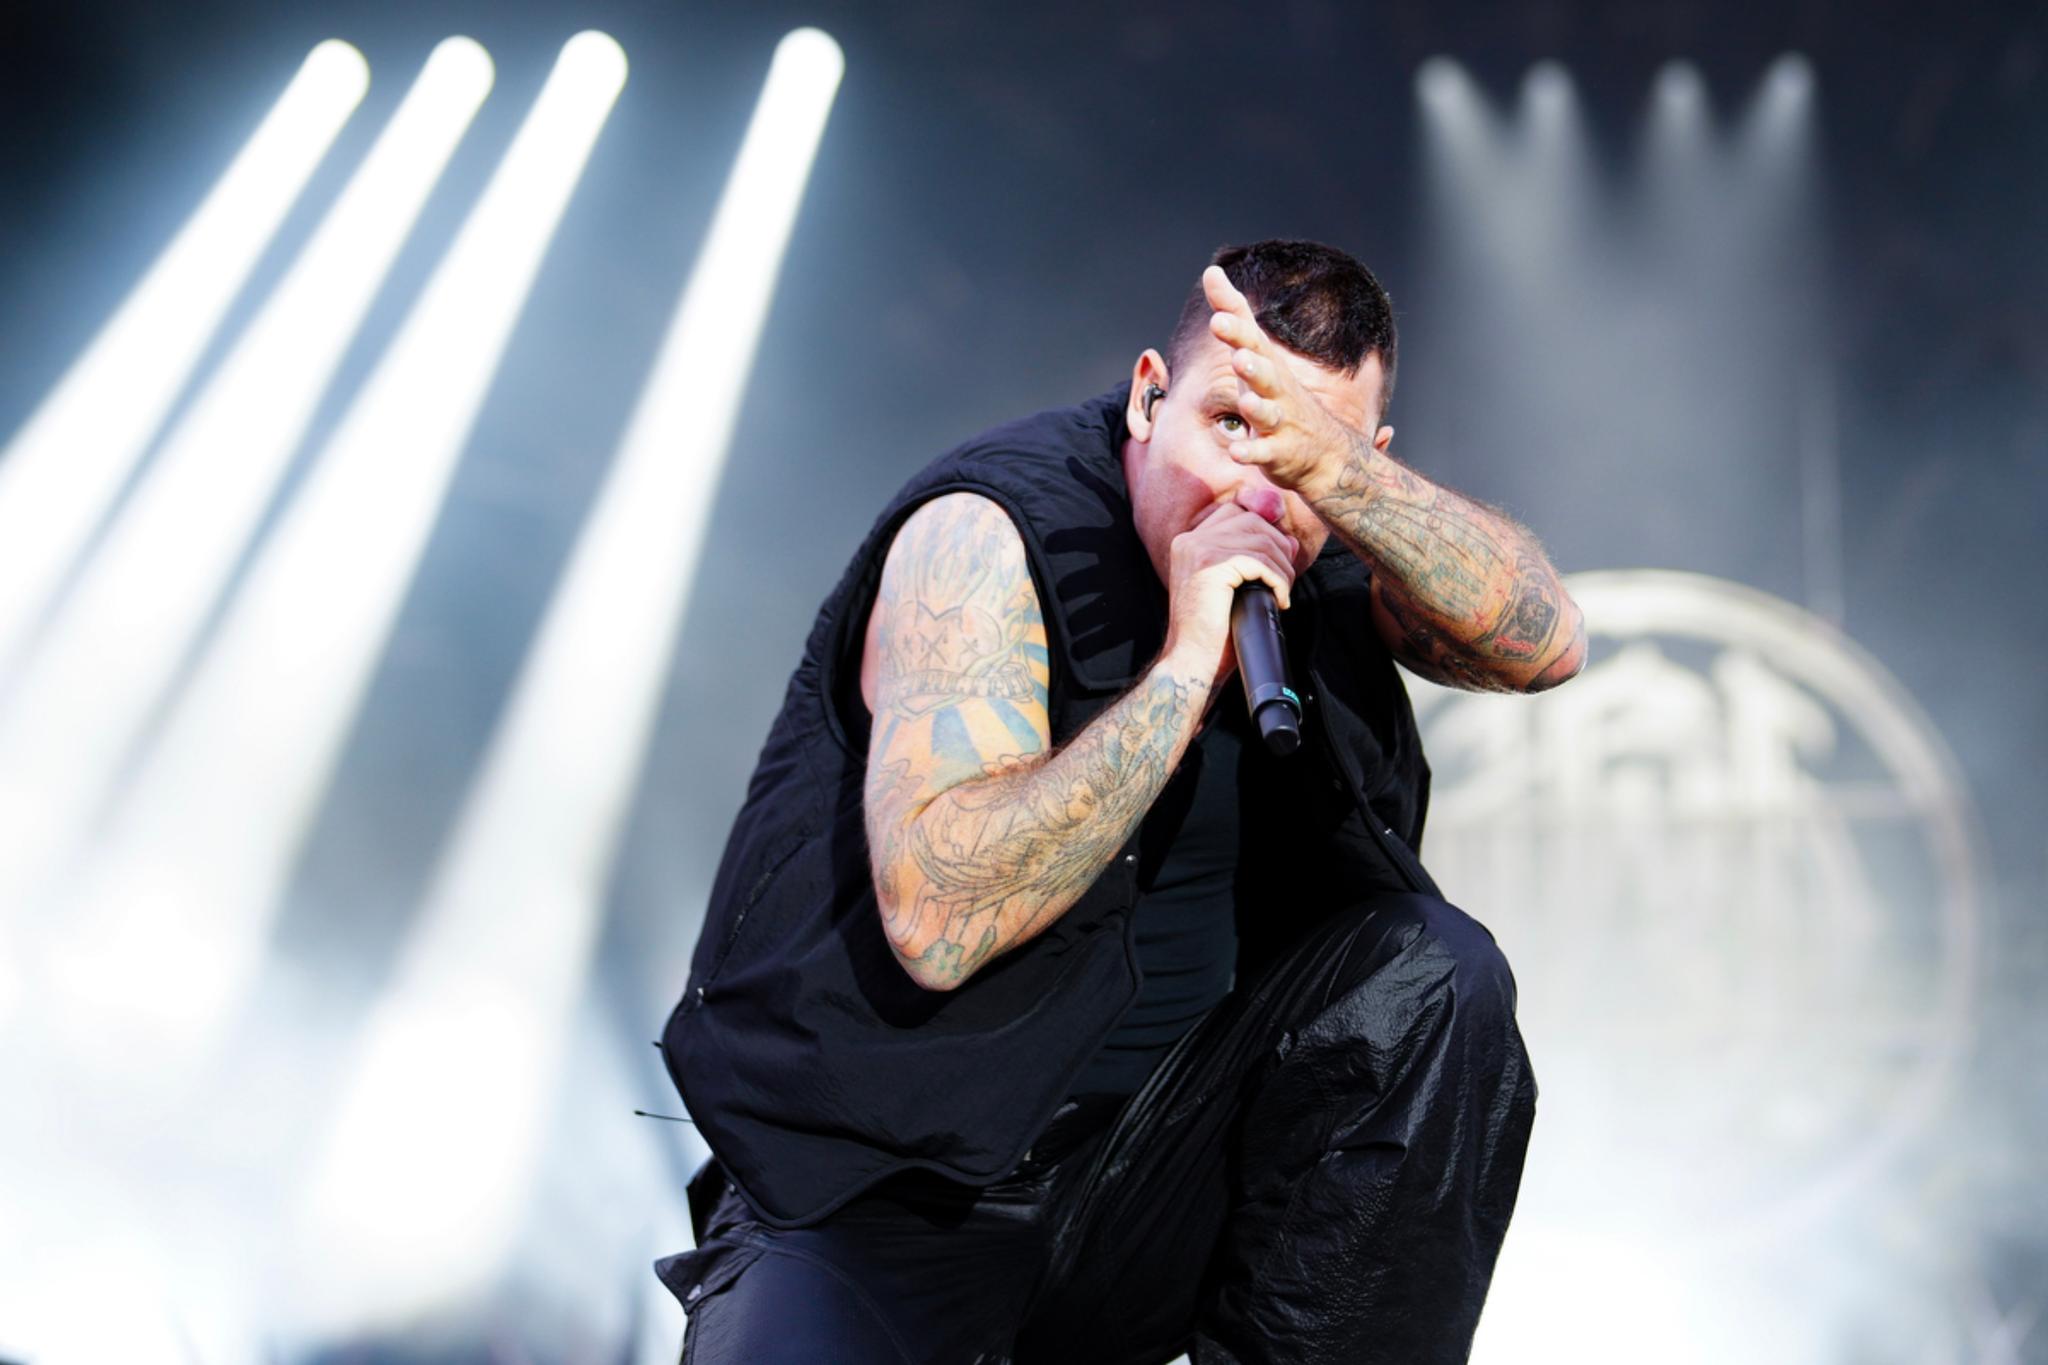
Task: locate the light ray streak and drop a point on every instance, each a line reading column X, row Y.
column 88, row 687
column 201, row 845
column 437, row 1132
column 63, row 469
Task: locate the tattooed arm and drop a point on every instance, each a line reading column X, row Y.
column 980, row 836
column 1462, row 594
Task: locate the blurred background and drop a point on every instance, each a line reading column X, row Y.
column 430, row 429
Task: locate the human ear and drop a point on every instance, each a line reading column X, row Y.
column 1381, row 438
column 1150, row 371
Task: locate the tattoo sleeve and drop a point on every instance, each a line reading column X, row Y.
column 1470, row 598
column 980, row 835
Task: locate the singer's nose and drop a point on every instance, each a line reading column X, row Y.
column 1262, row 499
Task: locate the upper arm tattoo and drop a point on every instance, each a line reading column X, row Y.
column 966, row 872
column 962, row 686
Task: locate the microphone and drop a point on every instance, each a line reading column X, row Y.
column 1262, row 663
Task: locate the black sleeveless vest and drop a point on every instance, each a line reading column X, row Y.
column 811, row 1062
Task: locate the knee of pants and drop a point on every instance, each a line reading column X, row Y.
column 1481, row 975
column 1421, row 955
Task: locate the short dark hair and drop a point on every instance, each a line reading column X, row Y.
column 1313, row 299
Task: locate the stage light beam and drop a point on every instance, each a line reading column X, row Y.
column 418, row 1187
column 1777, row 128
column 1443, row 87
column 1537, row 205
column 1681, row 172
column 1681, row 94
column 200, row 848
column 1789, row 83
column 65, row 466
column 1551, row 132
column 1456, row 117
column 1465, row 150
column 1547, row 95
column 88, row 687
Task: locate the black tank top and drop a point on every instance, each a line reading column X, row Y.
column 1186, row 931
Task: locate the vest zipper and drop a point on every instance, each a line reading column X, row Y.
column 739, row 919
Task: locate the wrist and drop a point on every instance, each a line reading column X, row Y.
column 1347, row 471
column 1187, row 663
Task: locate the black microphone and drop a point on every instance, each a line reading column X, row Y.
column 1262, row 663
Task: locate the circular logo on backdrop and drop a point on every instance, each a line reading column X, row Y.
column 1735, row 871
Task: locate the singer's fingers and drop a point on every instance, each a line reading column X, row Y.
column 1260, row 450
column 1236, row 330
column 1239, row 526
column 1241, row 331
column 1225, row 297
column 1264, row 414
column 1229, row 531
column 1260, row 373
column 1213, row 511
column 1233, row 517
column 1263, row 568
column 1233, row 323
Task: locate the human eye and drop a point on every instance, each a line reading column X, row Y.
column 1232, row 424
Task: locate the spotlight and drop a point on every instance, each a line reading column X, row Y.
column 63, row 470
column 412, row 1201
column 1682, row 176
column 1547, row 91
column 1788, row 84
column 1680, row 91
column 86, row 694
column 1443, row 87
column 1456, row 122
column 192, row 867
column 1778, row 126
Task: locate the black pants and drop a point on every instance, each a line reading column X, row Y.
column 1322, row 1169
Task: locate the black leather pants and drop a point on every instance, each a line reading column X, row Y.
column 1321, row 1170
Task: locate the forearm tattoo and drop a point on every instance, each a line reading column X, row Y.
column 998, row 860
column 979, row 837
column 1477, row 601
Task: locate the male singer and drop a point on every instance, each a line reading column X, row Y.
column 1041, row 1013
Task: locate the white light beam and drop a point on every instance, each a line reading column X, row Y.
column 1457, row 119
column 201, row 845
column 87, row 688
column 1775, row 139
column 1684, row 198
column 1468, row 156
column 1681, row 92
column 64, row 467
column 435, row 1139
column 1554, row 172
